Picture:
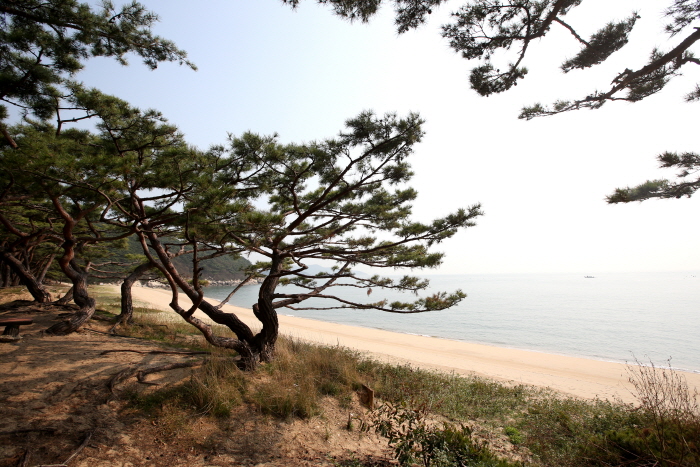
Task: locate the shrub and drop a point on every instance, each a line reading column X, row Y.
column 414, row 439
column 667, row 432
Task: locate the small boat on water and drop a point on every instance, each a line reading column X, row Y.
column 589, row 277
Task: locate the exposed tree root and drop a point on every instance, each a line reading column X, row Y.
column 119, row 377
column 168, row 352
column 114, row 334
column 97, row 317
column 80, row 448
column 65, row 464
column 28, row 430
column 17, row 303
column 141, row 374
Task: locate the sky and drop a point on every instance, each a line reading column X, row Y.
column 266, row 68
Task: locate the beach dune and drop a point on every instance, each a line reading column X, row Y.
column 579, row 377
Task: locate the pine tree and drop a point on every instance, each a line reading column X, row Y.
column 342, row 201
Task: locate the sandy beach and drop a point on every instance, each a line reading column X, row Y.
column 574, row 376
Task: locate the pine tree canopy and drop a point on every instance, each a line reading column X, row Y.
column 44, row 43
column 498, row 35
column 344, row 201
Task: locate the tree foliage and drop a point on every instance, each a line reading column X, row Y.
column 688, row 183
column 341, row 200
column 483, row 29
column 344, row 201
column 498, row 35
column 44, row 43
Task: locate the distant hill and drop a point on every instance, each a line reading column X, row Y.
column 223, row 268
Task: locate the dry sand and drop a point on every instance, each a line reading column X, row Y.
column 579, row 377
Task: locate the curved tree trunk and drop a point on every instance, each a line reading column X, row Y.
column 127, row 309
column 25, row 276
column 45, row 269
column 79, row 278
column 84, row 301
column 245, row 343
column 266, row 339
column 67, row 298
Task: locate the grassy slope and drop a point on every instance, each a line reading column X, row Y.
column 497, row 425
column 525, row 425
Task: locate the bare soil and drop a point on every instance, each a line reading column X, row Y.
column 54, row 394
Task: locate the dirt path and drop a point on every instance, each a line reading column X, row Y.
column 54, row 393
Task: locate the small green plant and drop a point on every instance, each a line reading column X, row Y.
column 414, row 439
column 513, row 434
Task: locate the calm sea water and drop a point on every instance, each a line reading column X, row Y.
column 614, row 317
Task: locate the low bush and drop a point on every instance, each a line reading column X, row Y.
column 666, row 431
column 414, row 439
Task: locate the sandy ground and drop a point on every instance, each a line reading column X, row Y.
column 575, row 376
column 55, row 402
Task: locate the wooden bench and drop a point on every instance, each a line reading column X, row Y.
column 12, row 328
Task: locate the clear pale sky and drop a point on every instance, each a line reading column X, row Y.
column 542, row 183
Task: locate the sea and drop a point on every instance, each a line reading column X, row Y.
column 650, row 317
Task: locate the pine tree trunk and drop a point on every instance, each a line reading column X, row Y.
column 127, row 310
column 245, row 343
column 66, row 299
column 39, row 293
column 266, row 339
column 45, row 269
column 87, row 309
column 79, row 278
column 5, row 274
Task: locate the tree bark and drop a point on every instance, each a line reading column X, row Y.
column 266, row 339
column 67, row 297
column 127, row 309
column 79, row 278
column 39, row 293
column 83, row 300
column 245, row 343
column 45, row 269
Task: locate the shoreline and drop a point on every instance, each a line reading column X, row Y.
column 502, row 346
column 573, row 376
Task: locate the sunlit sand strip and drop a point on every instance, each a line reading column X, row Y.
column 579, row 377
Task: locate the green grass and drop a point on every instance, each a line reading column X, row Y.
column 662, row 430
